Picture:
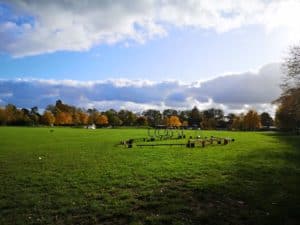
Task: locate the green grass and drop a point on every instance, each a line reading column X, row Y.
column 79, row 176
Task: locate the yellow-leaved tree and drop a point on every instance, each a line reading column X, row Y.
column 251, row 120
column 288, row 112
column 48, row 118
column 173, row 121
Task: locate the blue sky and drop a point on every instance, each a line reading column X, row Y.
column 130, row 41
column 185, row 54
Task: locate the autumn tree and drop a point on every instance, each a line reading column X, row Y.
column 238, row 122
column 10, row 112
column 11, row 115
column 48, row 118
column 2, row 117
column 102, row 120
column 75, row 118
column 83, row 118
column 251, row 120
column 63, row 118
column 93, row 115
column 173, row 121
column 185, row 123
column 61, row 107
column 15, row 116
column 286, row 117
column 288, row 112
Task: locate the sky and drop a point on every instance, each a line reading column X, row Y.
column 145, row 54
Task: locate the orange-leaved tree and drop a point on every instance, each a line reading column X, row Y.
column 83, row 118
column 63, row 118
column 102, row 120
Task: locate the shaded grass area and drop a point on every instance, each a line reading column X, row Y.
column 77, row 176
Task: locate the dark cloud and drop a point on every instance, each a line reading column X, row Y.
column 230, row 92
column 247, row 88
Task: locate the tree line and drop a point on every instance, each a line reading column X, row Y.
column 288, row 112
column 62, row 114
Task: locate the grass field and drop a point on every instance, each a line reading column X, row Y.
column 79, row 176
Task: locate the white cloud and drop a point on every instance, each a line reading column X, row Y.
column 232, row 93
column 36, row 27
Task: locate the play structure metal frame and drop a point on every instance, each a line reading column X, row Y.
column 163, row 133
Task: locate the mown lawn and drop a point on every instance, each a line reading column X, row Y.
column 79, row 176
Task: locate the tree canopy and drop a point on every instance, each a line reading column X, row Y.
column 62, row 114
column 288, row 112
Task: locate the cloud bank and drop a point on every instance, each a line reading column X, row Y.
column 232, row 93
column 36, row 27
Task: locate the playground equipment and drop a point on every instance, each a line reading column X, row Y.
column 163, row 133
column 202, row 142
column 160, row 133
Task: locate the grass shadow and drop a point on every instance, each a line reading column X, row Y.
column 269, row 180
column 262, row 187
